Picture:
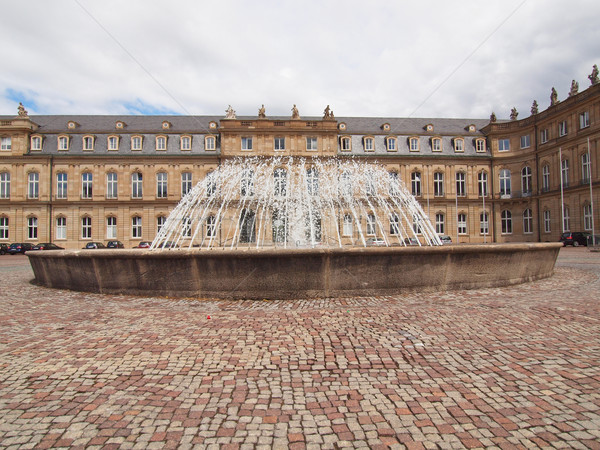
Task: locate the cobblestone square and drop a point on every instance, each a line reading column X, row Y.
column 503, row 367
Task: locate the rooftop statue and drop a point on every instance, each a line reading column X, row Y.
column 22, row 110
column 261, row 112
column 230, row 113
column 593, row 77
column 493, row 117
column 513, row 114
column 327, row 113
column 295, row 113
column 534, row 108
column 574, row 88
column 554, row 98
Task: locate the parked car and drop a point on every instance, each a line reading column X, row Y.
column 46, row 246
column 445, row 239
column 92, row 245
column 19, row 247
column 375, row 242
column 575, row 239
column 115, row 244
column 143, row 244
column 3, row 249
column 411, row 241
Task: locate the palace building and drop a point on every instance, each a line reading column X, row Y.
column 72, row 179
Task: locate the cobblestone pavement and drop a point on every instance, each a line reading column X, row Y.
column 504, row 367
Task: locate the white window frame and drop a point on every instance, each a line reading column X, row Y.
column 436, row 144
column 587, row 217
column 546, row 177
column 186, row 183
column 112, row 143
column 459, row 145
column 33, row 185
column 504, row 145
column 247, row 143
column 544, row 136
column 87, row 185
column 346, row 144
column 160, row 222
column 5, row 143
column 369, row 144
column 279, row 144
column 438, row 184
column 482, row 183
column 4, row 227
column 564, row 172
column 480, row 145
column 462, row 223
column 312, row 180
column 111, row 227
column 61, row 185
column 440, row 223
column 211, row 226
column 136, row 227
column 137, row 143
column 86, row 227
column 394, row 224
column 461, row 184
column 137, row 185
column 586, row 167
column 61, row 228
column 391, row 144
column 88, row 143
column 526, row 181
column 525, row 141
column 63, row 143
column 584, row 120
column 186, row 143
column 506, row 221
column 527, row 221
column 347, row 225
column 5, row 185
column 413, row 144
column 566, row 218
column 112, row 186
column 371, row 225
column 32, row 228
column 484, row 223
column 562, row 128
column 547, row 221
column 210, row 143
column 36, row 143
column 505, row 183
column 312, row 144
column 415, row 183
column 162, row 186
column 280, row 177
column 161, row 143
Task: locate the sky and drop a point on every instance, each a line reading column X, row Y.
column 392, row 58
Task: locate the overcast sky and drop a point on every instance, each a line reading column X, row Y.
column 428, row 58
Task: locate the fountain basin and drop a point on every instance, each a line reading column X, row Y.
column 298, row 273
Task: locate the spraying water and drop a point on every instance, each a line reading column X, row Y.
column 287, row 202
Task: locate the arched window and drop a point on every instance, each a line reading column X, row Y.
column 345, row 144
column 161, row 143
column 391, row 144
column 369, row 144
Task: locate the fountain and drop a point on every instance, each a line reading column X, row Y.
column 295, row 228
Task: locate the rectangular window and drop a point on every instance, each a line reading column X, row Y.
column 587, row 217
column 480, row 145
column 111, row 185
column 160, row 222
column 391, row 144
column 414, row 144
column 585, row 168
column 527, row 221
column 161, row 143
column 5, row 185
column 584, row 120
column 415, row 182
column 484, row 225
column 5, row 143
column 86, row 185
column 459, row 145
column 63, row 143
column 86, row 227
column 3, row 227
column 36, row 143
column 136, row 185
column 279, row 144
column 161, row 185
column 311, row 144
column 440, row 223
column 525, row 141
column 547, row 228
column 33, row 185
column 369, row 145
column 564, row 172
column 544, row 136
column 394, row 224
column 562, row 128
column 136, row 143
column 32, row 228
column 345, row 144
column 111, row 227
column 482, row 179
column 136, row 227
column 61, row 185
column 186, row 143
column 113, row 143
column 246, row 143
column 88, row 143
column 436, row 145
column 186, row 183
column 438, row 184
column 503, row 145
column 462, row 223
column 211, row 226
column 566, row 219
column 546, row 178
column 461, row 184
column 61, row 228
column 371, row 224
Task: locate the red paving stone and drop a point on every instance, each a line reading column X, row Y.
column 511, row 367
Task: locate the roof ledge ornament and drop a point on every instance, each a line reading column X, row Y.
column 534, row 108
column 262, row 114
column 230, row 113
column 513, row 114
column 493, row 117
column 328, row 114
column 574, row 88
column 22, row 111
column 593, row 77
column 554, row 97
column 295, row 113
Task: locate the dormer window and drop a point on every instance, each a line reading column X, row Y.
column 480, row 145
column 88, row 143
column 212, row 125
column 166, row 125
column 471, row 128
column 210, row 143
column 436, row 144
column 136, row 143
column 391, row 144
column 369, row 144
column 71, row 125
column 161, row 143
column 429, row 128
column 386, row 127
column 345, row 144
column 459, row 145
column 119, row 125
column 342, row 126
column 63, row 143
column 36, row 143
column 413, row 144
column 112, row 143
column 186, row 143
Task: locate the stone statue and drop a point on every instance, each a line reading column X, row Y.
column 331, row 116
column 534, row 108
column 230, row 113
column 22, row 110
column 513, row 114
column 326, row 113
column 553, row 98
column 493, row 117
column 261, row 112
column 295, row 113
column 593, row 77
column 574, row 88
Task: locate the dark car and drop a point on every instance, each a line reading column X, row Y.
column 445, row 239
column 3, row 249
column 143, row 244
column 115, row 244
column 46, row 246
column 19, row 247
column 92, row 245
column 575, row 239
